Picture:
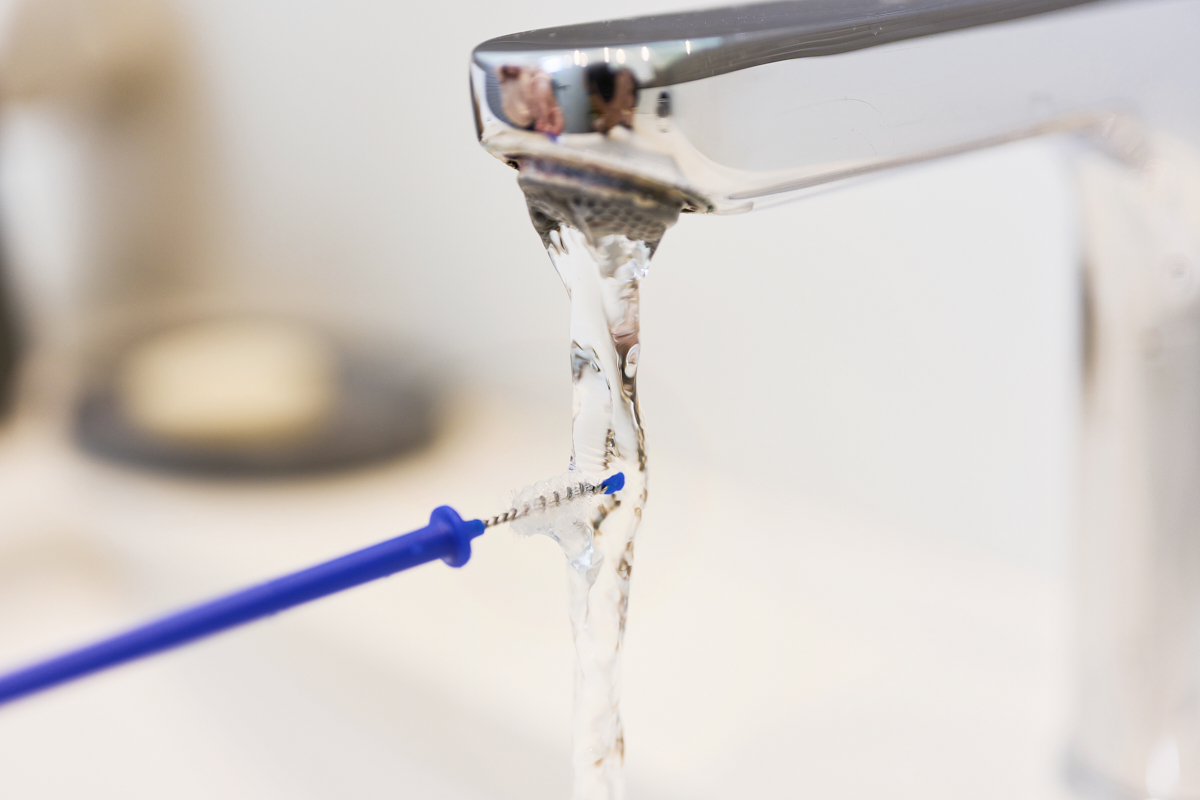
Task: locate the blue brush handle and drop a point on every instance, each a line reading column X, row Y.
column 447, row 537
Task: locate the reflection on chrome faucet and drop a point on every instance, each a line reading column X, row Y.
column 613, row 94
column 624, row 124
column 527, row 99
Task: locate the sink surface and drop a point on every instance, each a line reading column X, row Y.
column 775, row 648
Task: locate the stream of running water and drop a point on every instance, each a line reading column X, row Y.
column 601, row 276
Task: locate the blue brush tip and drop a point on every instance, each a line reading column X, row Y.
column 613, row 483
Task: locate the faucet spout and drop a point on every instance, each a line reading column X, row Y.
column 750, row 105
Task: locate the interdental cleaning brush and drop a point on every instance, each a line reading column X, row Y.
column 447, row 536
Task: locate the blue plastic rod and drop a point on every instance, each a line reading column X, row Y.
column 447, row 537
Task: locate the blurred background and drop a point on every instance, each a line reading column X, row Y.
column 860, row 414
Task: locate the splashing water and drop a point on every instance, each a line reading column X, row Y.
column 540, row 509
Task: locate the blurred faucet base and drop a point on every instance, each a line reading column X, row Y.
column 8, row 349
column 1137, row 729
column 1089, row 784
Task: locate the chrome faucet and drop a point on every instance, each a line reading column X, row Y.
column 619, row 126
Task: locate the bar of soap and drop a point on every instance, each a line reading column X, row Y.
column 230, row 383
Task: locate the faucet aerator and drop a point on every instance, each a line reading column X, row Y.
column 598, row 202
